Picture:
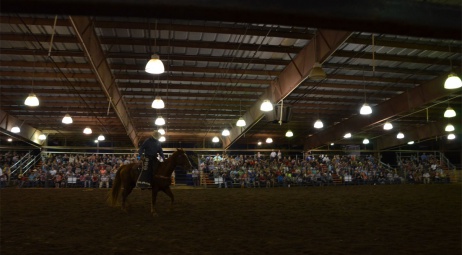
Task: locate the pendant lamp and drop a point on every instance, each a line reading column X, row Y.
column 32, row 100
column 318, row 124
column 87, row 131
column 387, row 126
column 160, row 121
column 452, row 82
column 225, row 132
column 15, row 129
column 449, row 113
column 67, row 119
column 158, row 103
column 266, row 106
column 449, row 128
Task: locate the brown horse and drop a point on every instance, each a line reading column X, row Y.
column 127, row 175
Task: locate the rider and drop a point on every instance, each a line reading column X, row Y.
column 150, row 147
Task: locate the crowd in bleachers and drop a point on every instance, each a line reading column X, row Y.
column 316, row 170
column 67, row 170
column 273, row 170
column 423, row 169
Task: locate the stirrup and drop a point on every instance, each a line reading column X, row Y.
column 143, row 185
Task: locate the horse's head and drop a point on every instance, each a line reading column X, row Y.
column 182, row 160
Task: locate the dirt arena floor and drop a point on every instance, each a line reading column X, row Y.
column 399, row 219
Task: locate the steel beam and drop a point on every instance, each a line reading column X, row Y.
column 28, row 134
column 413, row 99
column 325, row 44
column 436, row 19
column 433, row 129
column 90, row 43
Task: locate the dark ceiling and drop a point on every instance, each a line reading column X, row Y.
column 221, row 60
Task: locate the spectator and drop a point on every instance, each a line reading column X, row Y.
column 195, row 177
column 104, row 181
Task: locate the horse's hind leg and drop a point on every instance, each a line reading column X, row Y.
column 125, row 194
column 169, row 193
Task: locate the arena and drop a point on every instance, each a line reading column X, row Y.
column 280, row 127
column 391, row 219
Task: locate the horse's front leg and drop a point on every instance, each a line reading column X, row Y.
column 169, row 193
column 153, row 201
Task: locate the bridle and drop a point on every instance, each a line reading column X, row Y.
column 186, row 164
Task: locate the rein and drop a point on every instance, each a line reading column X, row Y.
column 161, row 176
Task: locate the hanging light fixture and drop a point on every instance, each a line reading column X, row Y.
column 158, row 103
column 387, row 126
column 32, row 99
column 42, row 137
column 316, row 73
column 215, row 139
column 225, row 132
column 451, row 136
column 161, row 131
column 10, row 140
column 452, row 82
column 101, row 137
column 67, row 119
column 289, row 133
column 96, row 141
column 259, row 143
column 318, row 124
column 400, row 135
column 269, row 140
column 449, row 128
column 266, row 106
column 366, row 109
column 332, row 144
column 154, row 65
column 15, row 129
column 160, row 121
column 87, row 131
column 449, row 113
column 347, row 135
column 410, row 142
column 162, row 139
column 366, row 141
column 240, row 122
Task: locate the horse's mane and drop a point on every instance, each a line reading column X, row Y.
column 169, row 161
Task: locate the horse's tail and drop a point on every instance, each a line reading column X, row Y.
column 115, row 191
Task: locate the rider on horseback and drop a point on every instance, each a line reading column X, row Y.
column 151, row 147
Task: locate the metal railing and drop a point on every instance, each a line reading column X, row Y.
column 26, row 163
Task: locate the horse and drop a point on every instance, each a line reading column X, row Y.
column 127, row 176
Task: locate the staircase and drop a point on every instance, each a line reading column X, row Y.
column 336, row 179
